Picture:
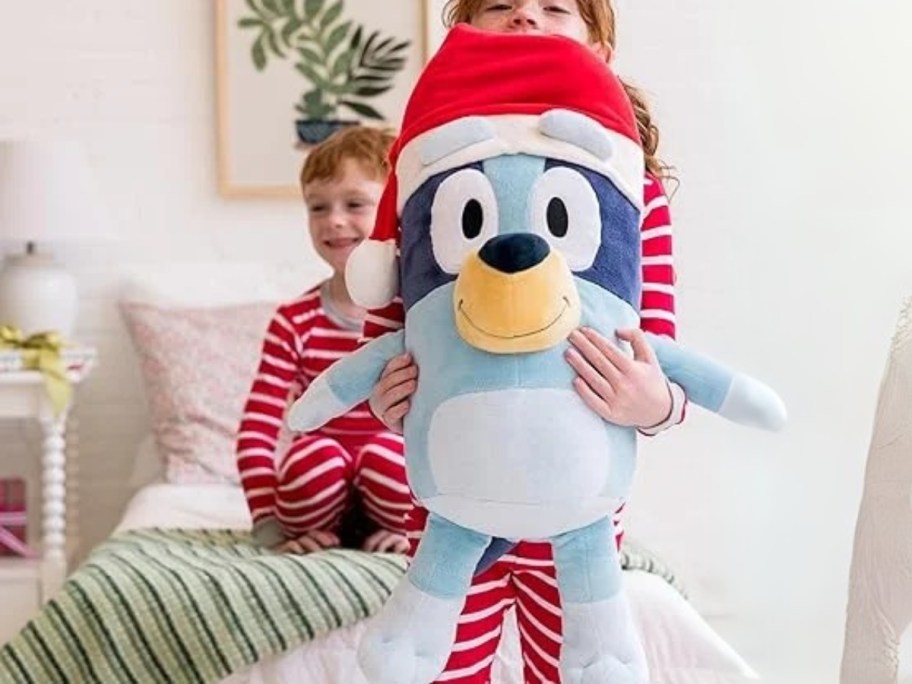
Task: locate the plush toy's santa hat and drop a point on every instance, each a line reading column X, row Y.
column 507, row 83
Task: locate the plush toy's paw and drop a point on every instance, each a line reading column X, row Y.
column 750, row 402
column 317, row 406
column 410, row 640
column 601, row 645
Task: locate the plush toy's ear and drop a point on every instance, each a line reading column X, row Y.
column 372, row 274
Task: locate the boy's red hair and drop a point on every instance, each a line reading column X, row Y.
column 367, row 146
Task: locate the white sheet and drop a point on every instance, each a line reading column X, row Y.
column 680, row 646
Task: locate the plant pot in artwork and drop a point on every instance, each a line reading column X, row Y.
column 315, row 131
column 346, row 68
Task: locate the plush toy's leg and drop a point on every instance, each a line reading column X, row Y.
column 410, row 641
column 601, row 645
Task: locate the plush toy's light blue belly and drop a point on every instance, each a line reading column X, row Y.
column 534, row 463
column 502, row 443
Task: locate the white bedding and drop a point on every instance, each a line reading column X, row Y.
column 680, row 646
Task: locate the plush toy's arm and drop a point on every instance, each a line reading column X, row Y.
column 719, row 389
column 345, row 384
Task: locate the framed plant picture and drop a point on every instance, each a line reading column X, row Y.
column 290, row 72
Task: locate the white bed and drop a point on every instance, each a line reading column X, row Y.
column 175, row 339
column 189, row 323
column 681, row 647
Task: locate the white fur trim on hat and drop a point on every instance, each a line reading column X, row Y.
column 372, row 274
column 557, row 134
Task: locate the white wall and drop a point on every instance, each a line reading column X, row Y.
column 787, row 122
column 135, row 81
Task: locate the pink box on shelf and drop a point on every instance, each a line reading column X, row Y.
column 13, row 519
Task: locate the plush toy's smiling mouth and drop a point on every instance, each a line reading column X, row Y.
column 566, row 306
column 505, row 308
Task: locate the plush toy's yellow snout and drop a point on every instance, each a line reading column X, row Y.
column 515, row 295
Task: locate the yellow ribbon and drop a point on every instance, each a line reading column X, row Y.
column 41, row 352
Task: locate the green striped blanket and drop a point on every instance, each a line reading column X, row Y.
column 191, row 606
column 175, row 606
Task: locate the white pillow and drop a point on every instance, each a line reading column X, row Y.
column 197, row 366
column 202, row 286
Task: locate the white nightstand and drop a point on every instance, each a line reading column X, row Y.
column 25, row 584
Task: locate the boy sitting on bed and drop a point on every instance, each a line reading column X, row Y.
column 344, row 484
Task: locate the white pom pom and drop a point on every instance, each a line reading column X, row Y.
column 372, row 274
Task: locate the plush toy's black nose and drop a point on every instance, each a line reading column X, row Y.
column 514, row 252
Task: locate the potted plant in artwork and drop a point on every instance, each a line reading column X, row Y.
column 345, row 65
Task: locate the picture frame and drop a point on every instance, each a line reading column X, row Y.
column 289, row 72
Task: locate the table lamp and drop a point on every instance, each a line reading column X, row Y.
column 47, row 196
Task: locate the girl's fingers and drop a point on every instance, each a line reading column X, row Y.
column 595, row 380
column 642, row 350
column 401, row 376
column 394, row 383
column 397, row 412
column 396, row 363
column 598, row 360
column 592, row 399
column 610, row 352
column 399, row 393
column 394, row 390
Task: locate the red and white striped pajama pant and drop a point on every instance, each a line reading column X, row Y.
column 524, row 580
column 321, row 470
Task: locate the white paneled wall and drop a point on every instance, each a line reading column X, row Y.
column 135, row 81
column 788, row 124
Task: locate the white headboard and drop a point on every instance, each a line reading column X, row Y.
column 204, row 284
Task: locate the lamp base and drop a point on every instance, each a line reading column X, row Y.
column 37, row 294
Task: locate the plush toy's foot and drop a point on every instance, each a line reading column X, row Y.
column 601, row 645
column 410, row 640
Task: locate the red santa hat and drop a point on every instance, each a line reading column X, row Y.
column 510, row 81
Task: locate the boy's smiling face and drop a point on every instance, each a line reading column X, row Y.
column 341, row 212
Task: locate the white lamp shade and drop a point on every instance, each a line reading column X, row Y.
column 48, row 193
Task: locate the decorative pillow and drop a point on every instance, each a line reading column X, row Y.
column 197, row 364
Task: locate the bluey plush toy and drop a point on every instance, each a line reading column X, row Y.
column 514, row 209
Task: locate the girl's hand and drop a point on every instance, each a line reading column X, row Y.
column 390, row 399
column 309, row 542
column 625, row 391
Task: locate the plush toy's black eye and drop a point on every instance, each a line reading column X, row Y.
column 472, row 219
column 558, row 220
column 565, row 211
column 463, row 217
